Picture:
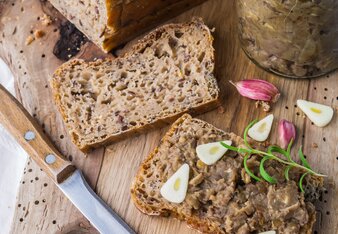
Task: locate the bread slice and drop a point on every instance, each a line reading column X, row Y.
column 221, row 198
column 112, row 22
column 167, row 73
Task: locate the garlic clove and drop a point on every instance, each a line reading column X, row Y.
column 211, row 152
column 286, row 133
column 268, row 232
column 257, row 89
column 261, row 130
column 319, row 114
column 175, row 189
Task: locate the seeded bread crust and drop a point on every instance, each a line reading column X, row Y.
column 71, row 76
column 146, row 185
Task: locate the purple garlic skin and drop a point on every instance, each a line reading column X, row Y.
column 257, row 89
column 286, row 133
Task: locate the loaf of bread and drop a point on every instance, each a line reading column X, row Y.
column 221, row 198
column 167, row 73
column 112, row 22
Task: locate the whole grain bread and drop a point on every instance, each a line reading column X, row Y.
column 112, row 22
column 221, row 198
column 167, row 73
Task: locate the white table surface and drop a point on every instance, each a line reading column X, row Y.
column 12, row 162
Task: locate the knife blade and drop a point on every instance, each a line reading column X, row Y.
column 91, row 206
column 69, row 180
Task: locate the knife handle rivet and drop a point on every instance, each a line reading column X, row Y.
column 50, row 159
column 29, row 135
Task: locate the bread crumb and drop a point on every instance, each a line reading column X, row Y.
column 266, row 105
column 85, row 225
column 39, row 34
column 46, row 20
column 221, row 109
column 29, row 40
column 314, row 145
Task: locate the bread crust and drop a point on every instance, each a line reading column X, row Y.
column 140, row 45
column 193, row 222
column 127, row 32
column 142, row 207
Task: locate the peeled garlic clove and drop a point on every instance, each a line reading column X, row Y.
column 260, row 130
column 286, row 132
column 175, row 189
column 256, row 89
column 268, row 232
column 319, row 114
column 211, row 152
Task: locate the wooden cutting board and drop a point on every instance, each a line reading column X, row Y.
column 41, row 207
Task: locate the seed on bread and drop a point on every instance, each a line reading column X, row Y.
column 29, row 40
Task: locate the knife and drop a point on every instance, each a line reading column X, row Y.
column 70, row 180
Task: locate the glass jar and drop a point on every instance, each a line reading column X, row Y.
column 293, row 38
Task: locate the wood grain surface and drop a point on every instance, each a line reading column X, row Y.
column 41, row 208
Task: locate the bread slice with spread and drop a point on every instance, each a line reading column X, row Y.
column 220, row 197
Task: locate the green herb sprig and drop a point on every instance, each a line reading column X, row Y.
column 271, row 155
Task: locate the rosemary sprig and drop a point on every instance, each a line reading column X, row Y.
column 271, row 155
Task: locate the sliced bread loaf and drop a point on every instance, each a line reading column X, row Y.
column 112, row 22
column 165, row 74
column 221, row 198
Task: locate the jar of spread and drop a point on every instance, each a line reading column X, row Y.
column 293, row 38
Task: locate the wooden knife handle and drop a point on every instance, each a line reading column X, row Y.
column 29, row 135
